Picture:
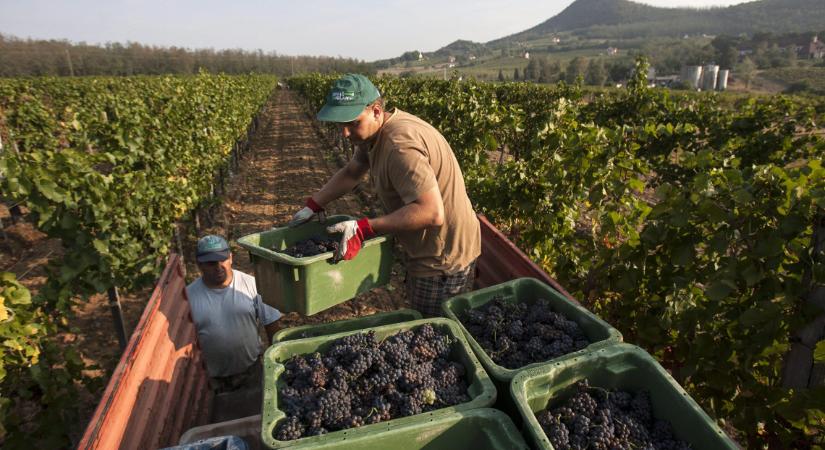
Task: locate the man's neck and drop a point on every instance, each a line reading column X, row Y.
column 370, row 143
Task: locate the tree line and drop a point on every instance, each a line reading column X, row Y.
column 28, row 57
column 594, row 71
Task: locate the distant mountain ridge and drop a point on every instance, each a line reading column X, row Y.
column 623, row 18
column 588, row 13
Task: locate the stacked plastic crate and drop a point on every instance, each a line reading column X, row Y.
column 607, row 365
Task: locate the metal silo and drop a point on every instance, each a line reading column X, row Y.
column 691, row 76
column 722, row 80
column 709, row 79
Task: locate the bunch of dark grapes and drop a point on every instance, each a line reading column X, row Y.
column 310, row 247
column 359, row 381
column 601, row 419
column 291, row 428
column 517, row 334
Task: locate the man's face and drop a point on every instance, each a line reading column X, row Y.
column 364, row 127
column 216, row 273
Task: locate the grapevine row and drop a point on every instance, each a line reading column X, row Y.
column 108, row 166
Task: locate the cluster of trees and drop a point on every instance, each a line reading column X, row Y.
column 765, row 49
column 594, row 71
column 762, row 50
column 23, row 57
column 670, row 55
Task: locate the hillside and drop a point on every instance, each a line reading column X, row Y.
column 626, row 19
column 583, row 14
column 460, row 47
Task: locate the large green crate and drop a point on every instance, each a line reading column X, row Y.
column 527, row 290
column 340, row 326
column 313, row 284
column 477, row 429
column 620, row 366
column 481, row 390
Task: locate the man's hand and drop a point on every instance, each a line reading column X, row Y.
column 312, row 209
column 354, row 232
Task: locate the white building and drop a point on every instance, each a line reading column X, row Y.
column 816, row 50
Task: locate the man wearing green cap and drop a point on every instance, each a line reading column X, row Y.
column 228, row 313
column 418, row 181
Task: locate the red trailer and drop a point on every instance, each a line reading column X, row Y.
column 159, row 388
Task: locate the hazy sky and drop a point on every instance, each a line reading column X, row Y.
column 356, row 28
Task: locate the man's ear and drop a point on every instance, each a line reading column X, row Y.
column 377, row 112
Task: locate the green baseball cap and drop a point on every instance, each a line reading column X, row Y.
column 348, row 97
column 212, row 248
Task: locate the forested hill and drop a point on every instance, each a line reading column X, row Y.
column 626, row 19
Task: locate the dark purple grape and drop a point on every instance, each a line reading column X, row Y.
column 517, row 334
column 597, row 418
column 358, row 381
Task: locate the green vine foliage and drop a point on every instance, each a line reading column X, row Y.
column 109, row 165
column 684, row 219
column 36, row 375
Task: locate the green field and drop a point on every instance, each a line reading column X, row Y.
column 811, row 79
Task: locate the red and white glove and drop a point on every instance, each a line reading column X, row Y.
column 354, row 233
column 312, row 209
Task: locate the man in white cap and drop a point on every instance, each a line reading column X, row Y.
column 228, row 313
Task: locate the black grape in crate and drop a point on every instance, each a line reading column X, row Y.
column 596, row 418
column 311, row 247
column 517, row 334
column 360, row 381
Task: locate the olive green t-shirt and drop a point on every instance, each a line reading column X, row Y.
column 408, row 158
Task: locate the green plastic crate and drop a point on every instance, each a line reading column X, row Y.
column 312, row 284
column 477, row 429
column 340, row 326
column 527, row 290
column 620, row 366
column 481, row 390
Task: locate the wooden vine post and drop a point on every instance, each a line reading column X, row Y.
column 179, row 242
column 117, row 316
column 2, row 226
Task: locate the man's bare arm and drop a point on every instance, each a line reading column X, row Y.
column 425, row 211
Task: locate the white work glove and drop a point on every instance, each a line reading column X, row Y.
column 354, row 233
column 312, row 209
